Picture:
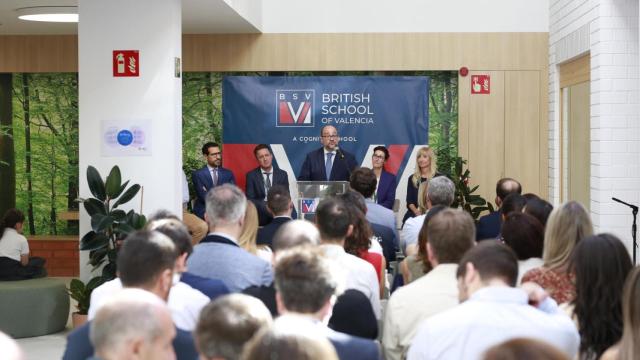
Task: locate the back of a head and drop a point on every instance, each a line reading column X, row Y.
column 225, row 204
column 10, row 348
column 175, row 230
column 295, row 233
column 129, row 314
column 506, row 186
column 227, row 323
column 492, row 260
column 278, row 200
column 304, row 279
column 601, row 264
column 10, row 218
column 524, row 349
column 249, row 231
column 630, row 343
column 514, row 202
column 524, row 234
column 363, row 180
column 567, row 225
column 451, row 234
column 332, row 218
column 143, row 257
column 290, row 338
column 538, row 208
column 354, row 198
column 441, row 191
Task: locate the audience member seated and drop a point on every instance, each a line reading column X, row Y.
column 218, row 255
column 629, row 346
column 489, row 225
column 290, row 337
column 332, row 219
column 212, row 288
column 133, row 324
column 524, row 349
column 492, row 311
column 10, row 348
column 353, row 315
column 184, row 301
column 513, row 203
column 539, row 209
column 279, row 204
column 291, row 234
column 416, row 265
column 567, row 225
column 227, row 324
column 601, row 264
column 426, row 169
column 249, row 234
column 385, row 193
column 440, row 191
column 359, row 241
column 209, row 176
column 363, row 180
column 145, row 261
column 306, row 285
column 15, row 263
column 451, row 233
column 525, row 236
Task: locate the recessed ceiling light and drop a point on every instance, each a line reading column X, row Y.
column 49, row 13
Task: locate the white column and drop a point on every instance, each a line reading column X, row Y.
column 153, row 27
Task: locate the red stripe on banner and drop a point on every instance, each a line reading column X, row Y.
column 285, row 115
column 239, row 159
column 396, row 155
column 303, row 113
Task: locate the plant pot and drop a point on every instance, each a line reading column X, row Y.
column 78, row 319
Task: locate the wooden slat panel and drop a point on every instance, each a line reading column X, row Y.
column 39, row 53
column 522, row 130
column 576, row 71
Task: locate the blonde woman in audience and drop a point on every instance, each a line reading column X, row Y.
column 567, row 225
column 247, row 239
column 425, row 170
column 629, row 347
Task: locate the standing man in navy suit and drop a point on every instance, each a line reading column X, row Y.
column 211, row 175
column 261, row 179
column 328, row 163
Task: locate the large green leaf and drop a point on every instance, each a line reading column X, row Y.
column 114, row 182
column 118, row 215
column 93, row 241
column 124, row 186
column 128, row 195
column 94, row 206
column 96, row 257
column 96, row 185
column 99, row 222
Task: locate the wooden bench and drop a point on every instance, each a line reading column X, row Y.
column 62, row 253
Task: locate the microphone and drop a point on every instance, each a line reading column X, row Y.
column 340, row 153
column 633, row 207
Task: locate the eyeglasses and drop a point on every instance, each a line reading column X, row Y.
column 379, row 157
column 216, row 154
column 330, row 136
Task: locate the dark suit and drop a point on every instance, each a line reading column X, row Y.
column 203, row 182
column 256, row 190
column 489, row 226
column 265, row 234
column 79, row 346
column 212, row 288
column 387, row 242
column 386, row 193
column 313, row 168
column 352, row 347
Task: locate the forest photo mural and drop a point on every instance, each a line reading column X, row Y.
column 39, row 136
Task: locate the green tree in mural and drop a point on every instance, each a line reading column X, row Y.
column 7, row 153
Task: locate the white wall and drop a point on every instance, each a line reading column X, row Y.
column 357, row 16
column 608, row 30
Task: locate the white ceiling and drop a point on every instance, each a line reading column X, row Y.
column 198, row 17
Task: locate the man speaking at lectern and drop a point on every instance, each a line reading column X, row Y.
column 329, row 163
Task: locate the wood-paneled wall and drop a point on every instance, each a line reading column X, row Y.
column 501, row 134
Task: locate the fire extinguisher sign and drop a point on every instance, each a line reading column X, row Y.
column 126, row 63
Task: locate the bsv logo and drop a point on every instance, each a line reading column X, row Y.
column 295, row 108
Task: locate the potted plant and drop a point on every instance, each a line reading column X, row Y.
column 81, row 293
column 464, row 196
column 109, row 226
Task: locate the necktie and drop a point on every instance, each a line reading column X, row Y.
column 267, row 184
column 215, row 177
column 328, row 165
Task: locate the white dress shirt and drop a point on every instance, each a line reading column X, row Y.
column 185, row 302
column 13, row 244
column 493, row 315
column 359, row 274
column 411, row 304
column 411, row 230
